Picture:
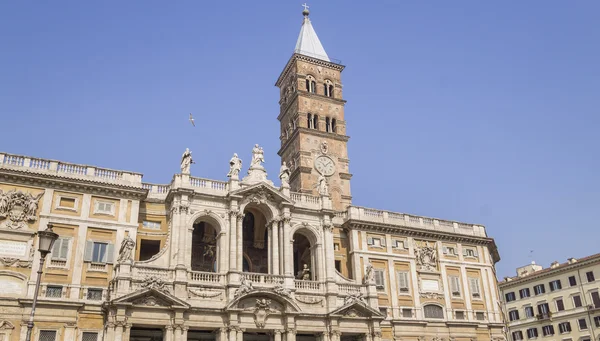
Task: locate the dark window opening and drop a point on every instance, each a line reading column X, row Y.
column 338, row 265
column 148, row 248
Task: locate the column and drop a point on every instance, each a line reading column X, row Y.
column 290, row 334
column 232, row 334
column 356, row 270
column 270, row 248
column 119, row 331
column 467, row 291
column 222, row 251
column 288, row 263
column 393, row 284
column 240, row 334
column 276, row 335
column 240, row 242
column 109, row 333
column 275, row 244
column 70, row 332
column 181, row 333
column 329, row 253
column 168, row 333
column 126, row 333
column 281, row 255
column 232, row 240
column 180, row 219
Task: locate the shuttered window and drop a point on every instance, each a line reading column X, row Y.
column 474, row 286
column 98, row 252
column 379, row 279
column 455, row 286
column 47, row 335
column 60, row 250
column 89, row 336
column 403, row 281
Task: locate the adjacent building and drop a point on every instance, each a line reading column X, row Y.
column 561, row 302
column 242, row 259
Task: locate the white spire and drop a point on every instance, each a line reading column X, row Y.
column 308, row 43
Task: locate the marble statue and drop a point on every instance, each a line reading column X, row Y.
column 125, row 253
column 322, row 185
column 284, row 175
column 304, row 274
column 186, row 161
column 258, row 157
column 369, row 275
column 235, row 165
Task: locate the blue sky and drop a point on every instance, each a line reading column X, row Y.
column 484, row 112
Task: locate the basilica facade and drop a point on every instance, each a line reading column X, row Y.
column 253, row 258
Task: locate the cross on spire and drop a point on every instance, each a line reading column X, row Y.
column 305, row 6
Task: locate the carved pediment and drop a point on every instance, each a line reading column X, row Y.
column 357, row 308
column 151, row 297
column 6, row 325
column 261, row 193
column 278, row 302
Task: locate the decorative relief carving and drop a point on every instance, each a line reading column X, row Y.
column 309, row 299
column 6, row 325
column 150, row 301
column 260, row 195
column 426, row 257
column 280, row 290
column 204, row 293
column 153, row 282
column 245, row 287
column 431, row 295
column 261, row 312
column 18, row 208
column 369, row 275
column 354, row 297
column 353, row 313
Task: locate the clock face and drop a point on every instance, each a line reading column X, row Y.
column 325, row 165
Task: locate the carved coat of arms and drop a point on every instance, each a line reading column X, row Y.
column 18, row 208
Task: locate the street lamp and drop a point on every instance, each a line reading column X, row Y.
column 46, row 240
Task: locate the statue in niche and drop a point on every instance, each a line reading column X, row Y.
column 322, row 185
column 284, row 175
column 258, row 157
column 369, row 275
column 125, row 253
column 304, row 274
column 186, row 161
column 235, row 165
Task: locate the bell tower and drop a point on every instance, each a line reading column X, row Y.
column 311, row 115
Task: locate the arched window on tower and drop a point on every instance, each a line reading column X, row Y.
column 333, row 125
column 309, row 121
column 315, row 122
column 311, row 84
column 328, row 88
column 328, row 124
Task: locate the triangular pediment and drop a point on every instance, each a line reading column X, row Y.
column 152, row 298
column 357, row 308
column 262, row 193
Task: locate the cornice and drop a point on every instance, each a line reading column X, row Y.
column 315, row 61
column 549, row 272
column 15, row 176
column 314, row 132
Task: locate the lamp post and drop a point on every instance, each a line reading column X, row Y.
column 46, row 240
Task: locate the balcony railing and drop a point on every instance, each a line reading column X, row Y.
column 205, row 277
column 258, row 278
column 313, row 286
column 544, row 316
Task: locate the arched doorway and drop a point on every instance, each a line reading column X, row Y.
column 304, row 258
column 204, row 247
column 255, row 241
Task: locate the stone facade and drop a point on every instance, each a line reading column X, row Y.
column 561, row 302
column 240, row 260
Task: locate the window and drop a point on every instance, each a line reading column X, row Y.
column 398, row 244
column 474, row 286
column 433, row 311
column 94, row 294
column 539, row 289
column 338, row 265
column 328, row 88
column 555, row 285
column 513, row 315
column 590, row 276
column 376, row 242
column 311, row 85
column 333, row 125
column 403, row 281
column 596, row 299
column 564, row 327
column 336, row 246
column 309, row 121
column 449, row 250
column 328, row 124
column 379, row 279
column 597, row 321
column 104, row 207
column 468, row 252
column 455, row 285
column 47, row 335
column 98, row 252
column 577, row 301
column 89, row 336
column 67, row 203
column 479, row 316
column 543, row 309
column 518, row 335
column 548, row 330
column 529, row 312
column 384, row 311
column 148, row 248
column 572, row 281
column 151, row 225
column 60, row 251
column 315, row 124
column 54, row 291
column 532, row 333
column 460, row 315
column 560, row 305
column 407, row 313
column 524, row 293
column 510, row 296
column 582, row 324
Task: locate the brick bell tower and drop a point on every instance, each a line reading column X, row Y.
column 311, row 115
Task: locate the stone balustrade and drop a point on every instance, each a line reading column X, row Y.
column 260, row 278
column 205, row 277
column 64, row 169
column 306, row 200
column 351, row 289
column 401, row 219
column 310, row 286
column 217, row 186
column 143, row 272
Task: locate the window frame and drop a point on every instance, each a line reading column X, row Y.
column 151, row 223
column 98, row 211
column 557, row 285
column 533, row 336
column 530, row 308
column 512, row 294
column 407, row 280
column 539, row 286
column 455, row 280
column 587, row 275
column 441, row 309
column 571, row 280
column 586, row 327
column 478, row 286
column 513, row 315
column 568, row 328
column 524, row 290
column 379, row 287
column 57, row 205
